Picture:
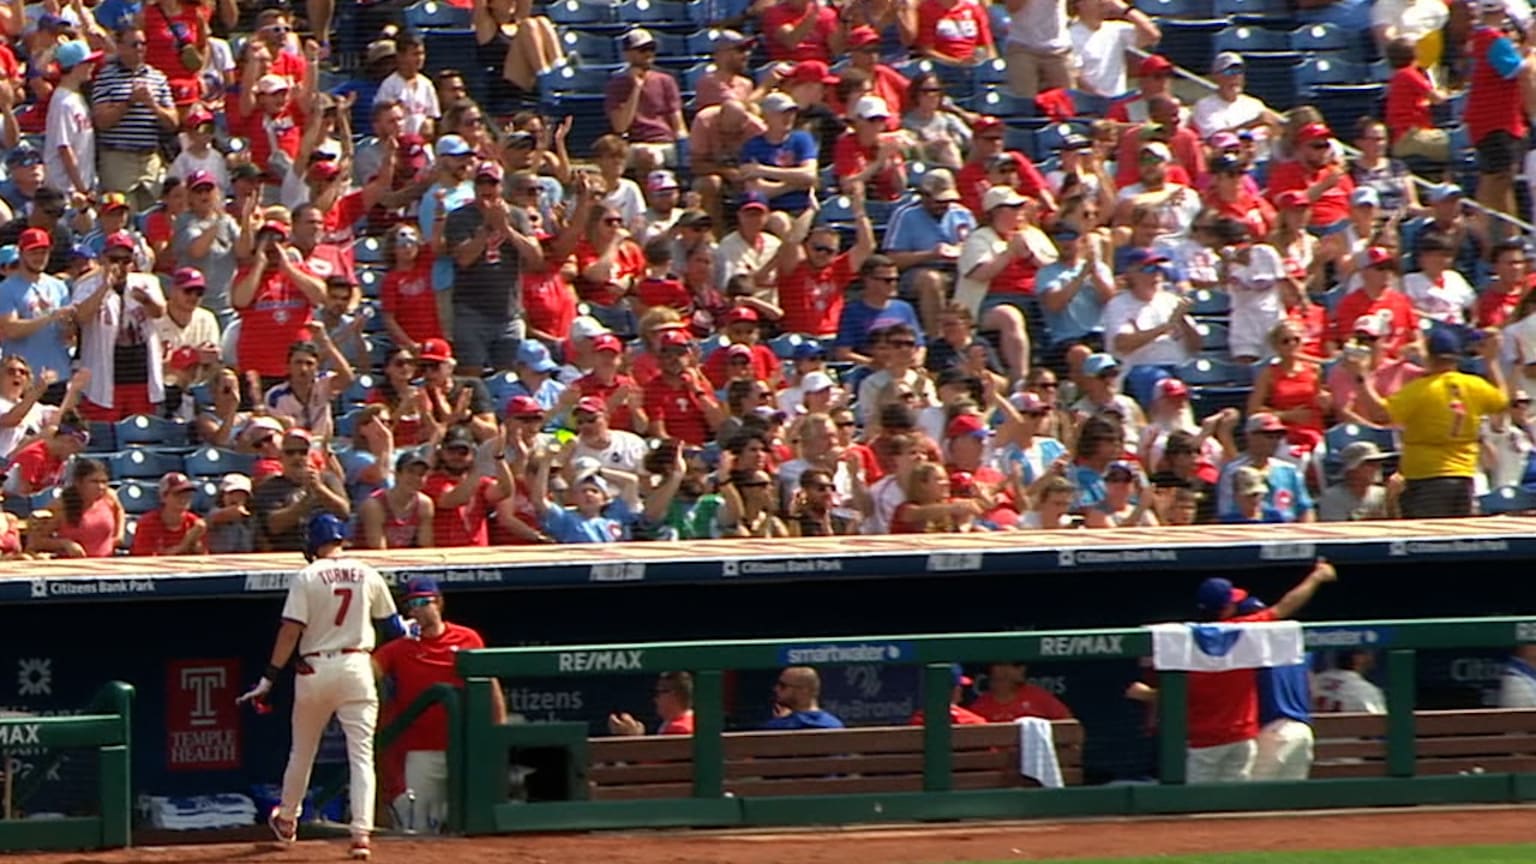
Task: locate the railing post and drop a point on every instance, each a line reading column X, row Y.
column 708, row 725
column 453, row 706
column 1401, row 753
column 1172, row 726
column 115, row 777
column 485, row 773
column 938, row 684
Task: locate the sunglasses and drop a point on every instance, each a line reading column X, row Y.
column 903, row 343
column 847, row 424
column 1290, row 340
column 825, row 250
column 612, row 220
column 418, row 602
column 583, row 418
column 295, row 451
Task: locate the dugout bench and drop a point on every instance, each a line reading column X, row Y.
column 1478, row 741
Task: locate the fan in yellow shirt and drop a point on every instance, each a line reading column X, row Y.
column 1441, row 416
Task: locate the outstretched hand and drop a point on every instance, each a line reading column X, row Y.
column 257, row 696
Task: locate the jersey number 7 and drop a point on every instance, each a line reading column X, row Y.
column 346, row 603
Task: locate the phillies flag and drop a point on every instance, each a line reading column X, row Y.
column 1223, row 647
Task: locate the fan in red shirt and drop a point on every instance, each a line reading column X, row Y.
column 1154, row 77
column 1228, row 198
column 465, row 497
column 39, row 466
column 410, row 304
column 414, row 666
column 813, row 277
column 1512, row 281
column 740, row 327
column 1377, row 295
column 1495, row 109
column 972, row 180
column 172, row 529
column 867, row 161
column 885, row 82
column 1010, row 696
column 1317, row 172
column 958, row 714
column 674, row 705
column 618, row 392
column 802, row 30
column 266, row 114
column 953, row 31
column 275, row 296
column 678, row 400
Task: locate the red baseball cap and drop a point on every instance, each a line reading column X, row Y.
column 739, row 350
column 118, row 240
column 592, row 405
column 674, row 339
column 524, row 406
column 198, row 116
column 1154, row 64
column 325, row 169
column 1314, row 132
column 608, row 342
column 985, row 124
column 276, row 227
column 35, row 238
column 1379, row 255
column 201, row 180
column 811, row 72
column 967, row 424
column 739, row 314
column 435, row 350
column 1172, row 388
column 184, row 357
column 861, row 36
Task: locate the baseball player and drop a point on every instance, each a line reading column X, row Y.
column 329, row 618
column 1517, row 686
column 414, row 665
column 1345, row 687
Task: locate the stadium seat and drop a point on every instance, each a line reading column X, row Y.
column 593, row 47
column 1321, row 37
column 103, row 436
column 1265, row 13
column 369, row 250
column 679, row 45
column 1506, row 499
column 138, row 496
column 1197, row 9
column 143, row 463
column 501, row 386
column 579, row 12
column 992, row 73
column 1206, row 371
column 711, row 345
column 433, row 15
column 1213, row 337
column 371, row 281
column 1312, row 71
column 357, row 392
column 447, row 49
column 1188, row 43
column 836, row 210
column 1208, row 303
column 652, row 12
column 1342, row 105
column 785, row 344
column 141, row 429
column 1343, row 434
column 1247, row 40
column 206, row 496
column 216, row 462
column 998, row 102
column 689, row 79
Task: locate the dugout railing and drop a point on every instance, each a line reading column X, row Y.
column 105, row 728
column 488, row 747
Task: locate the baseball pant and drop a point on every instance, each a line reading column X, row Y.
column 334, row 682
column 426, row 782
column 1224, row 763
column 1285, row 751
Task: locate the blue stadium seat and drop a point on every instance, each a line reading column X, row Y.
column 1247, row 40
column 433, row 15
column 647, row 12
column 357, row 392
column 1506, row 499
column 1049, row 139
column 998, row 102
column 143, row 463
column 588, row 122
column 593, row 47
column 688, row 80
column 103, row 436
column 371, row 281
column 140, row 429
column 138, row 496
column 1208, row 303
column 674, row 45
column 1198, row 9
column 836, row 210
column 710, row 346
column 1269, row 13
column 448, row 49
column 1312, row 71
column 369, row 250
column 216, row 462
column 1213, row 337
column 992, row 73
column 1001, row 20
column 1342, row 105
column 202, row 395
column 1343, row 434
column 206, row 496
column 1208, row 372
column 1189, row 43
column 577, row 12
column 501, row 386
column 1321, row 37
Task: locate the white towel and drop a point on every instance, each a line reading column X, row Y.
column 1222, row 647
column 1037, row 752
column 198, row 812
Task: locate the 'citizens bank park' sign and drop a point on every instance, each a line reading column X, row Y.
column 202, row 723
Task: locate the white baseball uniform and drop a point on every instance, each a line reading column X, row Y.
column 1517, row 688
column 337, row 600
column 1345, row 690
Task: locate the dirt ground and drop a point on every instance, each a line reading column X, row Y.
column 907, row 844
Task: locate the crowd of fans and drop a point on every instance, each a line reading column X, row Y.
column 818, row 298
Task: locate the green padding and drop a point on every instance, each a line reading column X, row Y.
column 599, row 815
column 61, row 834
column 924, row 806
column 1312, row 794
column 87, row 730
column 1524, row 787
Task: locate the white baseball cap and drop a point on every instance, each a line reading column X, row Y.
column 815, row 382
column 1001, row 196
column 235, row 483
column 587, row 327
column 871, row 108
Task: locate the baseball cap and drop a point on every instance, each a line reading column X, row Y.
column 595, row 480
column 738, row 350
column 35, row 238
column 871, row 108
column 453, row 145
column 1172, row 388
column 1226, row 60
column 986, row 123
column 695, row 219
column 1143, row 256
column 269, row 84
column 380, row 49
column 1156, row 149
column 489, row 170
column 1120, row 468
column 201, row 180
column 175, row 482
column 810, row 72
column 535, row 355
column 1216, row 593
column 1001, row 196
column 435, row 350
column 188, row 277
column 1358, row 453
column 732, row 39
column 607, row 343
column 1097, row 364
column 324, row 170
column 753, row 201
column 972, row 425
column 245, row 171
column 815, row 382
column 198, row 116
column 458, row 437
column 779, row 101
column 1364, row 196
column 1445, row 342
column 660, row 180
column 118, row 240
column 1226, row 163
column 235, row 483
column 1026, row 402
column 74, row 52
column 1225, row 141
column 1314, row 132
column 1373, row 325
column 23, row 154
column 810, row 349
column 275, row 227
column 587, row 327
column 637, row 38
column 592, row 405
column 1076, row 141
column 410, row 457
column 422, row 586
column 9, row 254
column 1154, row 64
column 1264, row 422
column 524, row 406
column 113, row 201
column 863, row 36
column 1292, row 199
column 674, row 339
column 741, row 314
column 1249, row 480
column 1490, row 6
column 300, row 434
column 1377, row 255
column 1443, row 192
column 182, row 358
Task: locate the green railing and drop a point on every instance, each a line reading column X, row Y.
column 487, row 745
column 105, row 728
column 438, row 694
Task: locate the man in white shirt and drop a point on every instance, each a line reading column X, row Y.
column 1229, row 109
column 69, row 143
column 750, row 250
column 119, row 341
column 614, row 449
column 1517, row 688
column 1345, row 688
column 1146, row 325
column 1101, row 35
column 1039, row 48
column 413, row 90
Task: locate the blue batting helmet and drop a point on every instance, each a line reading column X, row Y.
column 323, row 528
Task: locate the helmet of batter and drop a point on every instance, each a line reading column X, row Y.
column 322, row 529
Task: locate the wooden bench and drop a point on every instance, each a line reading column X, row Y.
column 1445, row 742
column 821, row 762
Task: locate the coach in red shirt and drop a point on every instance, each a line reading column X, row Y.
column 1317, row 172
column 415, row 665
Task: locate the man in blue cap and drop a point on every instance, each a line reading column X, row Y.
column 414, row 665
column 1441, row 416
column 536, row 370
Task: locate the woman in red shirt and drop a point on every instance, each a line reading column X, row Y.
column 928, row 508
column 607, row 261
column 410, row 304
column 176, row 43
column 402, row 397
column 1290, row 387
column 955, row 31
column 87, row 521
column 868, row 160
column 172, row 529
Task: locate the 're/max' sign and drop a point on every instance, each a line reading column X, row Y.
column 1081, row 646
column 601, row 661
column 202, row 723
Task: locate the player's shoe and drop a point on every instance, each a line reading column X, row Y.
column 286, row 830
column 360, row 850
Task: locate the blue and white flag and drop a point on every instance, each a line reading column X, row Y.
column 1222, row 647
